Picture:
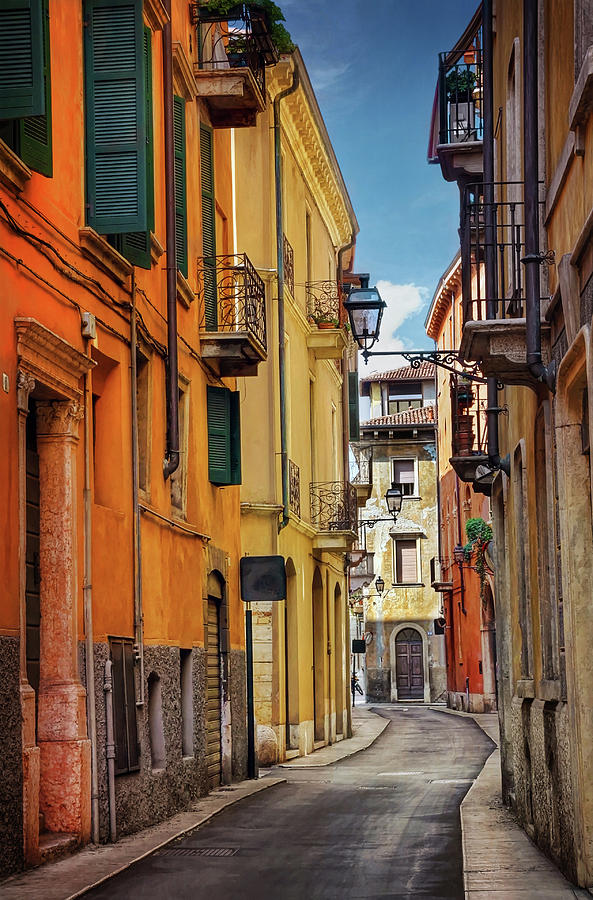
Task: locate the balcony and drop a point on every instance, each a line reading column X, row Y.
column 294, row 488
column 458, row 118
column 496, row 227
column 327, row 339
column 230, row 74
column 440, row 576
column 334, row 515
column 362, row 574
column 288, row 261
column 362, row 479
column 469, row 427
column 233, row 314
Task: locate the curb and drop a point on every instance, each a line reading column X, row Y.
column 337, row 752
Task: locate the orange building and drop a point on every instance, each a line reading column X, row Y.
column 119, row 417
column 468, row 605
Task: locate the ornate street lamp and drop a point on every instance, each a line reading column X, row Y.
column 365, row 311
column 379, row 584
column 393, row 498
column 459, row 554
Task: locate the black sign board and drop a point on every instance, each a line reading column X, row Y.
column 358, row 646
column 263, row 578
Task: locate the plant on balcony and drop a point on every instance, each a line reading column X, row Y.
column 479, row 535
column 272, row 13
column 324, row 320
column 460, row 85
column 465, row 394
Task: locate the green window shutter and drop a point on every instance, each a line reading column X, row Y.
column 235, row 428
column 21, row 59
column 180, row 185
column 208, row 227
column 115, row 112
column 353, row 407
column 135, row 246
column 35, row 131
column 219, row 434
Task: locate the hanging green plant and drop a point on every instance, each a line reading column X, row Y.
column 274, row 16
column 479, row 535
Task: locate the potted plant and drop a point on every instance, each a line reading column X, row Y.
column 465, row 394
column 326, row 321
column 267, row 10
column 464, row 434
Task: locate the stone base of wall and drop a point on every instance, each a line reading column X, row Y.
column 378, row 686
column 11, row 744
column 478, row 703
column 238, row 684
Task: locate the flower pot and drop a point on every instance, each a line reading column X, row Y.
column 326, row 325
column 464, row 436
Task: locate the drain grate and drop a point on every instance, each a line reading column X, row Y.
column 198, row 851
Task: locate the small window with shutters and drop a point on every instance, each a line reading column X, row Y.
column 224, row 436
column 208, row 227
column 353, row 406
column 127, row 750
column 405, row 553
column 25, row 82
column 404, row 476
column 180, row 185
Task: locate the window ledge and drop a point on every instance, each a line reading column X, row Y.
column 184, row 79
column 407, row 584
column 13, row 172
column 100, row 251
column 156, row 249
column 581, row 102
column 155, row 14
column 185, row 294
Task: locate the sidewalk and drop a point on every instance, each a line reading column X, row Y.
column 366, row 728
column 499, row 860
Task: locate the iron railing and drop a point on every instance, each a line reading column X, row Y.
column 439, row 572
column 333, row 506
column 294, row 488
column 496, row 225
column 239, row 39
column 323, row 302
column 461, row 94
column 232, row 295
column 363, row 459
column 366, row 568
column 469, row 405
column 288, row 256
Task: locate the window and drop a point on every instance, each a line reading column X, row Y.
column 208, row 227
column 187, row 702
column 143, row 419
column 406, row 560
column 308, row 245
column 115, row 113
column 25, row 83
column 158, row 755
column 402, row 397
column 224, row 436
column 353, row 408
column 127, row 750
column 179, row 476
column 180, row 185
column 404, row 476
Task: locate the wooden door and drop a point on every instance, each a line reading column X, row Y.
column 214, row 696
column 32, row 600
column 409, row 665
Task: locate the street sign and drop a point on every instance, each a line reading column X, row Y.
column 263, row 578
column 358, row 646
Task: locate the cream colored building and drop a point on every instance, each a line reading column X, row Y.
column 295, row 500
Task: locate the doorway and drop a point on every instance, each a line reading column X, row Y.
column 319, row 655
column 409, row 665
column 214, row 695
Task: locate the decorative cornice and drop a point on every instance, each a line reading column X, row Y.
column 184, row 81
column 25, row 383
column 185, row 294
column 156, row 249
column 155, row 14
column 101, row 252
column 48, row 359
column 59, row 418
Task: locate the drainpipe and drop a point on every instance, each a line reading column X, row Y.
column 110, row 749
column 533, row 258
column 280, row 266
column 137, row 535
column 171, row 461
column 87, row 593
column 345, row 370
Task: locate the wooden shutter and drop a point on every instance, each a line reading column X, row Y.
column 235, row 429
column 353, row 406
column 21, row 59
column 116, row 150
column 208, row 227
column 180, row 185
column 219, row 435
column 35, row 131
column 135, row 245
column 127, row 757
column 406, row 562
column 403, row 475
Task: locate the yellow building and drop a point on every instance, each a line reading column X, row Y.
column 295, row 220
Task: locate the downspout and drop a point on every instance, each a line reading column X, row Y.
column 533, row 258
column 460, row 542
column 137, row 536
column 345, row 370
column 280, row 266
column 87, row 593
column 171, row 461
column 110, row 748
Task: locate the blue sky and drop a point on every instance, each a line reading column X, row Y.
column 373, row 64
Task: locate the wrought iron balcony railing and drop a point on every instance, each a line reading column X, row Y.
column 469, row 417
column 366, row 568
column 294, row 488
column 233, row 297
column 363, row 457
column 288, row 255
column 333, row 506
column 237, row 40
column 461, row 95
column 323, row 303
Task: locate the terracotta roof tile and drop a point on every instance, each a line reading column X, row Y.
column 406, row 373
column 422, row 416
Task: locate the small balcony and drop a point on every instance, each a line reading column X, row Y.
column 494, row 327
column 362, row 473
column 288, row 261
column 459, row 115
column 327, row 339
column 362, row 574
column 233, row 314
column 334, row 514
column 440, row 576
column 233, row 52
column 469, row 427
column 294, row 488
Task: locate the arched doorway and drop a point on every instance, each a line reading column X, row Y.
column 291, row 659
column 318, row 658
column 214, row 681
column 339, row 659
column 409, row 664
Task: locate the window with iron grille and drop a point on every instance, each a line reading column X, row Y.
column 127, row 749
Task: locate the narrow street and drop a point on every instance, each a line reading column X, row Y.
column 383, row 823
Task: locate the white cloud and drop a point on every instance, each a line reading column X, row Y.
column 403, row 301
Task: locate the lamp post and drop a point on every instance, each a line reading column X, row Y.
column 365, row 311
column 393, row 498
column 379, row 584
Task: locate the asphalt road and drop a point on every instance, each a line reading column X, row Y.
column 383, row 823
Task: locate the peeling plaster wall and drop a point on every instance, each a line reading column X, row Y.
column 11, row 821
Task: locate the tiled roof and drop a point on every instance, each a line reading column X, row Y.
column 422, row 416
column 406, row 373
